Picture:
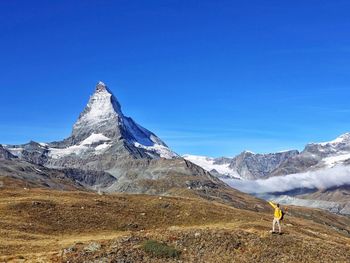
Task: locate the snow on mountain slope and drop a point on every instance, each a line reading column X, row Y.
column 95, row 144
column 209, row 164
column 157, row 149
column 336, row 159
column 95, row 138
column 344, row 138
column 317, row 156
column 246, row 165
column 5, row 154
column 253, row 166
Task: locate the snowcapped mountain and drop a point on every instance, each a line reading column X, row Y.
column 102, row 139
column 246, row 165
column 108, row 151
column 102, row 120
column 102, row 125
column 252, row 166
column 101, row 130
column 333, row 152
column 319, row 176
column 217, row 166
column 318, row 156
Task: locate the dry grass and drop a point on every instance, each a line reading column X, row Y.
column 36, row 225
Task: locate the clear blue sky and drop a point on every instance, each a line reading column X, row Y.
column 208, row 77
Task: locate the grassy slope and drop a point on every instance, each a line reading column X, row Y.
column 37, row 224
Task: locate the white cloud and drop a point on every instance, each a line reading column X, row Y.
column 320, row 179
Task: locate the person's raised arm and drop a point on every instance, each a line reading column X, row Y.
column 272, row 204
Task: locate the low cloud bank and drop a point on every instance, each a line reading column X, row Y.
column 321, row 179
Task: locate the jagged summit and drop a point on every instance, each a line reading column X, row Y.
column 101, row 86
column 101, row 83
column 103, row 115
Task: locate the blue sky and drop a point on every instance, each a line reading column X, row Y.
column 208, row 77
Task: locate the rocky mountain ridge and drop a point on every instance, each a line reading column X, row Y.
column 5, row 154
column 246, row 165
column 252, row 166
column 316, row 177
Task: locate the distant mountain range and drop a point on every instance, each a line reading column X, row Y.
column 320, row 173
column 246, row 165
column 252, row 166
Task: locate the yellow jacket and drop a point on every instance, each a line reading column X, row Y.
column 278, row 211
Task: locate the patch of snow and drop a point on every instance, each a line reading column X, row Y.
column 102, row 147
column 336, row 159
column 57, row 153
column 207, row 163
column 15, row 151
column 43, row 144
column 94, row 138
column 101, row 83
column 38, row 170
column 161, row 150
column 83, row 147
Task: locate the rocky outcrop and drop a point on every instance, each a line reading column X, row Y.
column 246, row 165
column 317, row 156
column 5, row 154
column 255, row 166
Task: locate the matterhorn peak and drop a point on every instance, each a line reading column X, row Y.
column 101, row 86
column 102, row 115
column 103, row 118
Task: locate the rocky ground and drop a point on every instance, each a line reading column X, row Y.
column 224, row 243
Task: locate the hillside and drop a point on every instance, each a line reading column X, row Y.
column 59, row 226
column 114, row 192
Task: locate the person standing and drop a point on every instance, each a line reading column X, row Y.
column 277, row 216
